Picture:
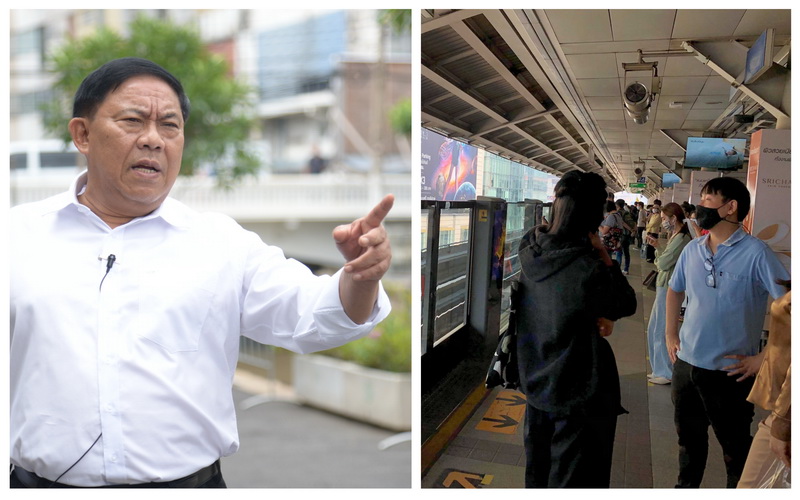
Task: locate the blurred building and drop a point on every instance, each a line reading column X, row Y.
column 324, row 81
column 324, row 78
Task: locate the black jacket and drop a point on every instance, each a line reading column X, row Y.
column 565, row 365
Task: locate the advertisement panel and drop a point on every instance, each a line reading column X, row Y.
column 697, row 182
column 769, row 181
column 448, row 168
column 680, row 193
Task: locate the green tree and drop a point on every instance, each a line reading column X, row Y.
column 400, row 114
column 219, row 124
column 398, row 19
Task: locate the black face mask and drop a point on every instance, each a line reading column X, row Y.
column 708, row 217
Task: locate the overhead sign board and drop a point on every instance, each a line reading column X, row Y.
column 637, row 185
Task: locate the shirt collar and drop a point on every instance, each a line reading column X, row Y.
column 169, row 211
column 733, row 239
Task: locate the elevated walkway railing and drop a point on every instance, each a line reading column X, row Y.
column 334, row 196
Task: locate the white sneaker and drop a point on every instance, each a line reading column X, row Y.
column 625, row 272
column 649, row 375
column 660, row 381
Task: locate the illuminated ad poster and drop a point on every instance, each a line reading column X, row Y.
column 449, row 168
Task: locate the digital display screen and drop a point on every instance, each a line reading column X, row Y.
column 711, row 152
column 668, row 179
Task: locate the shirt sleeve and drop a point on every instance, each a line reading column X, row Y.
column 284, row 304
column 769, row 270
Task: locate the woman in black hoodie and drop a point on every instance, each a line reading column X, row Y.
column 570, row 294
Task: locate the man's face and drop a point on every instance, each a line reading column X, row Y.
column 710, row 200
column 133, row 145
column 716, row 201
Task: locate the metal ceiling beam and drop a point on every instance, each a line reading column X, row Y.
column 431, row 120
column 461, row 94
column 482, row 50
column 515, row 32
column 773, row 110
column 448, row 19
column 489, row 57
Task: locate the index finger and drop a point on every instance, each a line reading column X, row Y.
column 379, row 211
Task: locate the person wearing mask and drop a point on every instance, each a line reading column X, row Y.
column 691, row 222
column 629, row 223
column 725, row 277
column 653, row 230
column 614, row 221
column 570, row 293
column 672, row 217
column 641, row 223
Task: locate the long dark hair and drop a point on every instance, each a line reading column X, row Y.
column 671, row 209
column 578, row 206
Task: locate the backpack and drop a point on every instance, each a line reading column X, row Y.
column 627, row 217
column 612, row 240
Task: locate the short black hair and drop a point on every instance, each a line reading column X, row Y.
column 108, row 77
column 730, row 189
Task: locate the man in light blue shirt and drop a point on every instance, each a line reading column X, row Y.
column 726, row 277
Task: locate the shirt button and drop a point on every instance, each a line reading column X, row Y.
column 109, row 408
column 114, row 457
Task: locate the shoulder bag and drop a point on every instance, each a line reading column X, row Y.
column 650, row 280
column 504, row 370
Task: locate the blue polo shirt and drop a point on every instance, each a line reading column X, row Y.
column 727, row 319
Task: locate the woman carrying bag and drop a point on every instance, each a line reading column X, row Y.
column 570, row 292
column 672, row 218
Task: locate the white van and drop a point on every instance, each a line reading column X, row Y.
column 45, row 158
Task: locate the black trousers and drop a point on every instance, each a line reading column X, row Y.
column 568, row 452
column 710, row 397
column 626, row 251
column 639, row 238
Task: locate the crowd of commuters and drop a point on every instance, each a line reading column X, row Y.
column 704, row 332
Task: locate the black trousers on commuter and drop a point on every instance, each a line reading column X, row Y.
column 639, row 238
column 626, row 251
column 702, row 397
column 568, row 452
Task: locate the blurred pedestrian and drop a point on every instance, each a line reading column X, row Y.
column 641, row 223
column 653, row 231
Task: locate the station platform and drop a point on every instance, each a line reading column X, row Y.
column 481, row 443
column 284, row 444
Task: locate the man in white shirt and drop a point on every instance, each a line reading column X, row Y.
column 127, row 306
